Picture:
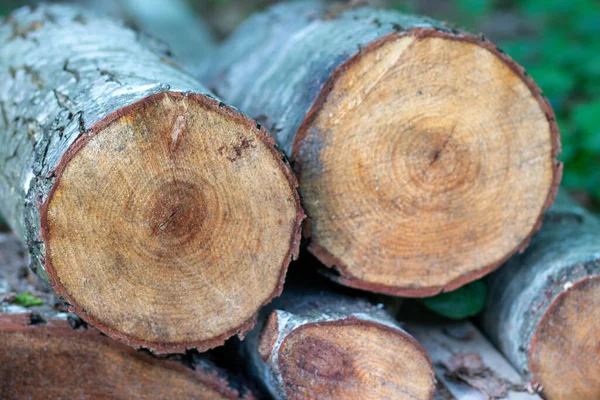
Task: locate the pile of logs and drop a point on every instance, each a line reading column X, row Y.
column 408, row 158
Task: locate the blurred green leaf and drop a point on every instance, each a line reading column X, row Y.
column 587, row 121
column 552, row 80
column 521, row 51
column 582, row 172
column 474, row 7
column 461, row 303
column 27, row 300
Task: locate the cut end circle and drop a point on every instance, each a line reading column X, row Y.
column 354, row 359
column 427, row 160
column 565, row 350
column 172, row 223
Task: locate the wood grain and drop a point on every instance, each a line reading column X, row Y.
column 425, row 155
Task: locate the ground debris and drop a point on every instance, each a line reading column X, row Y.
column 469, row 368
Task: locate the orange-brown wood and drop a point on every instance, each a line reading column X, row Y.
column 353, row 359
column 426, row 161
column 565, row 351
column 171, row 223
column 53, row 361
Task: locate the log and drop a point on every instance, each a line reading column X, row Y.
column 173, row 22
column 425, row 155
column 43, row 359
column 543, row 308
column 322, row 345
column 51, row 354
column 467, row 365
column 165, row 218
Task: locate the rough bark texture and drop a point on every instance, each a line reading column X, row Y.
column 119, row 168
column 171, row 21
column 49, row 353
column 544, row 306
column 322, row 345
column 425, row 156
column 467, row 365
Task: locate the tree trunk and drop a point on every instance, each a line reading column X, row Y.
column 48, row 353
column 425, row 156
column 164, row 217
column 544, row 306
column 171, row 21
column 322, row 345
column 467, row 365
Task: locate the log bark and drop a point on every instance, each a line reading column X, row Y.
column 314, row 344
column 173, row 22
column 467, row 365
column 48, row 353
column 425, row 155
column 543, row 308
column 165, row 218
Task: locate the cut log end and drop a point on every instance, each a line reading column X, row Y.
column 565, row 351
column 52, row 360
column 171, row 223
column 353, row 359
column 425, row 149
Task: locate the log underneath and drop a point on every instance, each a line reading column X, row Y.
column 544, row 306
column 325, row 346
column 426, row 156
column 165, row 218
column 51, row 360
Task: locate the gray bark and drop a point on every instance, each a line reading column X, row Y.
column 299, row 306
column 277, row 62
column 171, row 21
column 62, row 70
column 566, row 250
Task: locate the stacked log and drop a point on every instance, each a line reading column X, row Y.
column 543, row 309
column 425, row 155
column 165, row 218
column 318, row 344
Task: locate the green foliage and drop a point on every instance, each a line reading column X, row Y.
column 27, row 300
column 474, row 7
column 462, row 303
column 563, row 56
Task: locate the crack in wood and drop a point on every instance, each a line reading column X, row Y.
column 71, row 71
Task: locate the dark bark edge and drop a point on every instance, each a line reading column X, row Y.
column 216, row 106
column 346, row 278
